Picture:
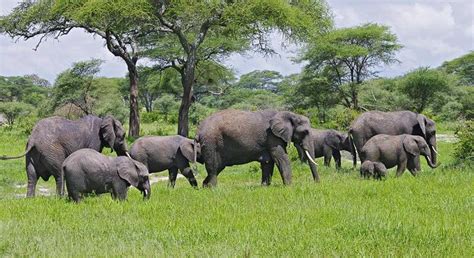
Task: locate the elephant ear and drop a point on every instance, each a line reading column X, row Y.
column 411, row 146
column 107, row 131
column 422, row 123
column 187, row 149
column 127, row 170
column 281, row 126
column 333, row 140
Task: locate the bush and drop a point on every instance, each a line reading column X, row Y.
column 199, row 112
column 451, row 111
column 14, row 110
column 464, row 149
column 150, row 117
column 168, row 106
column 341, row 118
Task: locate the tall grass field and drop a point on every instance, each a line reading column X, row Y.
column 428, row 215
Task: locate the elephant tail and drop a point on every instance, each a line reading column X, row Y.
column 28, row 149
column 195, row 150
column 353, row 149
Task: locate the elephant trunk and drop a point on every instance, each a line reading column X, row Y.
column 146, row 191
column 430, row 163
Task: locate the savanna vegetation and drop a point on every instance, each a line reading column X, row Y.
column 184, row 81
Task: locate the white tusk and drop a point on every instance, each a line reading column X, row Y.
column 433, row 148
column 146, row 192
column 309, row 157
column 428, row 158
column 128, row 155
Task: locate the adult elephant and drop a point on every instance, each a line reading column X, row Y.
column 53, row 139
column 329, row 143
column 232, row 137
column 373, row 123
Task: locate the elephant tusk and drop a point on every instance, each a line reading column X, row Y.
column 128, row 155
column 309, row 157
column 146, row 192
column 433, row 148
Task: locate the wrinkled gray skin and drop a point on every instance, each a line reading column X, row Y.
column 88, row 171
column 327, row 144
column 232, row 137
column 173, row 153
column 402, row 151
column 393, row 123
column 53, row 139
column 376, row 170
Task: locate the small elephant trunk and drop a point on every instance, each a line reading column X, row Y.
column 430, row 163
column 146, row 190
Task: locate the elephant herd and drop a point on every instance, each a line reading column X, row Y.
column 70, row 151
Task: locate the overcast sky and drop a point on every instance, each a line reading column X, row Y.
column 431, row 31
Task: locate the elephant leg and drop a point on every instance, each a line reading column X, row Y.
column 327, row 156
column 282, row 161
column 337, row 158
column 119, row 190
column 188, row 173
column 401, row 168
column 32, row 179
column 211, row 178
column 267, row 172
column 173, row 173
column 59, row 185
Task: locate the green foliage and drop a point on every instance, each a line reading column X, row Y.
column 341, row 118
column 421, row 85
column 30, row 89
column 263, row 80
column 199, row 112
column 13, row 110
column 168, row 105
column 348, row 56
column 463, row 67
column 464, row 149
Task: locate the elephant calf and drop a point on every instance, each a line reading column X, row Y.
column 88, row 171
column 159, row 153
column 373, row 169
column 402, row 151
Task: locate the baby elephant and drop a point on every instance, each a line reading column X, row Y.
column 376, row 170
column 402, row 151
column 159, row 153
column 88, row 171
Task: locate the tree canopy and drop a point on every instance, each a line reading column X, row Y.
column 348, row 56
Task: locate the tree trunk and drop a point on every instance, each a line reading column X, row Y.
column 354, row 96
column 187, row 79
column 134, row 120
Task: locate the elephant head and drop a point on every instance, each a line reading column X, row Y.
column 416, row 145
column 291, row 127
column 112, row 135
column 373, row 169
column 135, row 173
column 428, row 132
column 191, row 150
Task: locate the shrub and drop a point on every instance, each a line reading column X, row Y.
column 14, row 110
column 464, row 149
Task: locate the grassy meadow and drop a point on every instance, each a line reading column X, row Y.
column 344, row 215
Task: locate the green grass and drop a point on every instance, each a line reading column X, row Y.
column 430, row 215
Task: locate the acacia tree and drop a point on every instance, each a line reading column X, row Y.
column 348, row 56
column 196, row 31
column 119, row 23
